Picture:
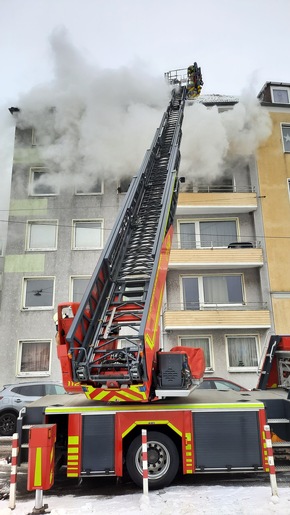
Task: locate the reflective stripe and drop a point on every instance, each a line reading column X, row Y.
column 151, row 423
column 73, row 440
column 38, row 467
column 159, row 407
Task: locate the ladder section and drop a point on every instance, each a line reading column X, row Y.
column 106, row 336
column 275, row 371
column 267, row 364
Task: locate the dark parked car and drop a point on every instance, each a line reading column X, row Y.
column 13, row 397
column 218, row 383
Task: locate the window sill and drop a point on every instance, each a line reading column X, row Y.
column 33, row 374
column 35, row 308
column 243, row 369
column 41, row 250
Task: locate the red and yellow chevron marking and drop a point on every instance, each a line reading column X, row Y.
column 41, row 457
column 131, row 393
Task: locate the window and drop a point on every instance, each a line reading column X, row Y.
column 224, row 183
column 41, row 235
column 210, row 233
column 34, row 140
column 54, row 389
column 28, row 390
column 38, row 293
column 78, row 287
column 87, row 235
column 34, row 358
column 1, row 247
column 124, row 184
column 286, row 137
column 242, row 352
column 97, row 188
column 280, row 95
column 211, row 290
column 224, row 109
column 42, row 182
column 202, row 342
column 23, row 136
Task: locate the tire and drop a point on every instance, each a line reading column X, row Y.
column 163, row 460
column 8, row 424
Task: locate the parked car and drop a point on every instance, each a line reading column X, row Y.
column 13, row 397
column 218, row 383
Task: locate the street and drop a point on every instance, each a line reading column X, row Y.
column 104, row 486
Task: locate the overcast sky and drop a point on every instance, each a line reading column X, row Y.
column 238, row 44
column 234, row 41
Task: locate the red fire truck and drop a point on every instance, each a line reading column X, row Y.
column 109, row 350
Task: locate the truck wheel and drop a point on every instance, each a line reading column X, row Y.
column 7, row 424
column 163, row 460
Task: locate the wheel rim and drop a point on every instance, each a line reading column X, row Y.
column 158, row 460
column 7, row 424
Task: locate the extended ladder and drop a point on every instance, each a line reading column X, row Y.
column 114, row 337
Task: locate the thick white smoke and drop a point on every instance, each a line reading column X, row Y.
column 93, row 123
column 7, row 127
column 213, row 141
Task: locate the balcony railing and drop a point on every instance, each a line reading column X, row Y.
column 211, row 306
column 211, row 244
column 219, row 188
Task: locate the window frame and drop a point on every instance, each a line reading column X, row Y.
column 33, row 137
column 288, row 187
column 280, row 88
column 87, row 220
column 90, row 193
column 35, row 373
column 29, row 224
column 198, row 236
column 24, row 289
column 204, row 305
column 284, row 125
column 71, row 285
column 123, row 182
column 40, row 169
column 211, row 368
column 242, row 368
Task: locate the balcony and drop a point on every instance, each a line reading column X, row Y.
column 213, row 202
column 250, row 316
column 215, row 258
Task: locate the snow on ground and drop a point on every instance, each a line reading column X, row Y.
column 177, row 500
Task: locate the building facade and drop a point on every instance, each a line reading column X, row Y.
column 228, row 285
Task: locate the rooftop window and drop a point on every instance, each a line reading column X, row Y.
column 280, row 95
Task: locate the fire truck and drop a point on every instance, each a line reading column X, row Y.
column 120, row 379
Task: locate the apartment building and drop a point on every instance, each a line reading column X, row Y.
column 273, row 162
column 225, row 289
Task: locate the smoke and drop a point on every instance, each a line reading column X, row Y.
column 214, row 142
column 89, row 122
column 7, row 128
column 93, row 123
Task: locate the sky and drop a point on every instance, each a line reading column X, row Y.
column 234, row 41
column 184, row 500
column 108, row 59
